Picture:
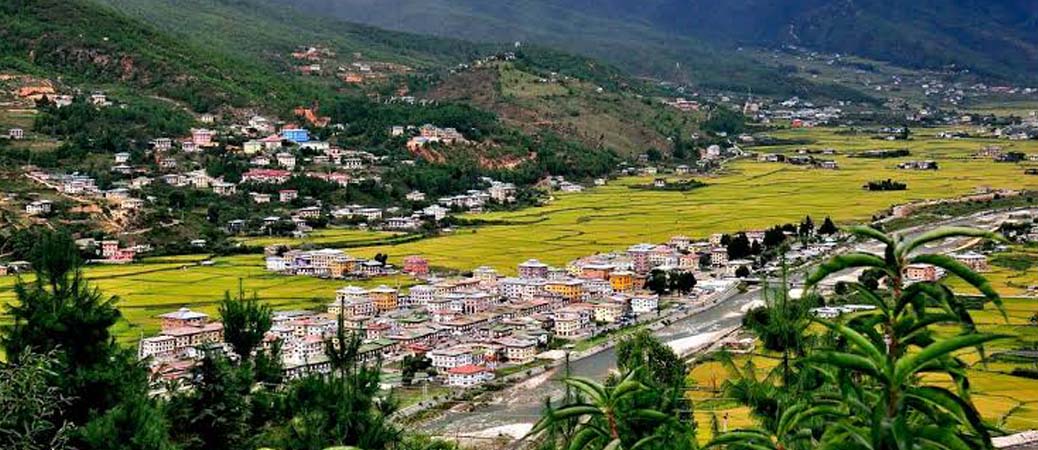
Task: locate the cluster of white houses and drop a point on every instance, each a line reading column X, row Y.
column 324, row 263
column 467, row 326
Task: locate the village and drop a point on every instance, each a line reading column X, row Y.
column 470, row 326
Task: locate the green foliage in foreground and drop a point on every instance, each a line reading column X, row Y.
column 862, row 382
column 863, row 385
column 68, row 385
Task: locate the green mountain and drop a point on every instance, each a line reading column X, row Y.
column 993, row 38
column 268, row 30
column 205, row 54
column 84, row 43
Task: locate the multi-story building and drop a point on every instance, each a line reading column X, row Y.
column 644, row 302
column 567, row 325
column 520, row 288
column 609, row 311
column 385, row 298
column 519, row 351
column 719, row 256
column 533, row 268
column 921, row 272
column 449, row 358
column 421, row 295
column 416, row 265
column 570, row 289
column 596, row 271
column 183, row 317
column 469, row 376
column 975, row 261
column 622, row 281
column 639, row 254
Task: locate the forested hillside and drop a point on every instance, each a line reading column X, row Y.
column 82, row 42
column 996, row 38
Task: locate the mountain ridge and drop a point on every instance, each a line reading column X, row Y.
column 997, row 39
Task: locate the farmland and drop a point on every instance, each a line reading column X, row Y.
column 330, row 236
column 162, row 284
column 747, row 195
column 1006, row 400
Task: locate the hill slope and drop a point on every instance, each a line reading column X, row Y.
column 264, row 29
column 85, row 43
column 998, row 38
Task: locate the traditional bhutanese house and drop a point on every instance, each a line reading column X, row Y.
column 385, row 298
column 469, row 376
column 183, row 317
column 622, row 281
column 596, row 271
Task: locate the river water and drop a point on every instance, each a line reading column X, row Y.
column 514, row 410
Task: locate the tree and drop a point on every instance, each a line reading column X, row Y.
column 602, row 415
column 412, row 365
column 756, row 248
column 30, row 406
column 724, row 121
column 654, row 155
column 742, row 272
column 739, row 247
column 215, row 414
column 828, row 228
column 245, row 322
column 60, row 314
column 807, row 227
column 872, row 393
column 658, row 282
column 656, row 360
column 684, row 282
column 774, row 237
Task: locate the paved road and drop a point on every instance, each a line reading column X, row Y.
column 519, row 406
column 516, row 408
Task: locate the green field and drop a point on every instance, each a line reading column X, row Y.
column 160, row 285
column 749, row 195
column 331, row 236
column 1010, row 280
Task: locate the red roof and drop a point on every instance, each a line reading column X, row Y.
column 470, row 369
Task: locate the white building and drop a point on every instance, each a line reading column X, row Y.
column 469, row 376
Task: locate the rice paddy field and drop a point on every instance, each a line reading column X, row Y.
column 331, row 236
column 160, row 285
column 1006, row 400
column 747, row 195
